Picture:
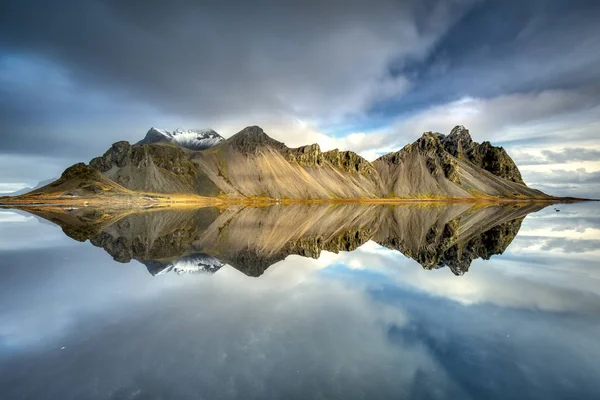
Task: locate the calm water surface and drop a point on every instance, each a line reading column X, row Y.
column 302, row 303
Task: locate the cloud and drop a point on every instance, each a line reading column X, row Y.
column 21, row 170
column 567, row 177
column 560, row 157
column 217, row 59
column 503, row 48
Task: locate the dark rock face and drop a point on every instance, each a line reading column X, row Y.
column 122, row 154
column 252, row 138
column 119, row 154
column 439, row 161
column 349, row 161
column 158, row 168
column 458, row 257
column 307, row 156
column 78, row 171
column 491, row 158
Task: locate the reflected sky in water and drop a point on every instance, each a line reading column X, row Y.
column 371, row 323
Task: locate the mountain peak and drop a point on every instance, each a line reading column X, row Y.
column 251, row 138
column 459, row 132
column 491, row 158
column 196, row 139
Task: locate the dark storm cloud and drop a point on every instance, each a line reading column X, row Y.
column 218, row 57
column 504, row 47
column 108, row 70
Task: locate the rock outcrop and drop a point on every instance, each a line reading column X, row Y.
column 439, row 166
column 157, row 168
column 491, row 158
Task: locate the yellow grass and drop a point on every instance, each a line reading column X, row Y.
column 134, row 199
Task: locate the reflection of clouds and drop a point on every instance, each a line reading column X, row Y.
column 573, row 246
column 9, row 216
column 44, row 291
column 507, row 284
column 567, row 232
column 557, row 246
column 21, row 231
column 228, row 335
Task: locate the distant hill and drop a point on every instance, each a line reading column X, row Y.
column 29, row 189
column 250, row 164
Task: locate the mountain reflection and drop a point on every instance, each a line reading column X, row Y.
column 253, row 238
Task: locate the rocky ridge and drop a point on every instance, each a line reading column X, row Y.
column 252, row 164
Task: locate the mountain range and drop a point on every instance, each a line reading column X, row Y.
column 252, row 165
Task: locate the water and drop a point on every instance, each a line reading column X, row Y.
column 257, row 304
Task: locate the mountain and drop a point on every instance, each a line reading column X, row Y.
column 438, row 166
column 85, row 185
column 493, row 159
column 252, row 165
column 248, row 164
column 251, row 239
column 29, row 189
column 189, row 139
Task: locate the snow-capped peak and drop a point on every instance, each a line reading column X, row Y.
column 159, row 131
column 197, row 139
column 190, row 264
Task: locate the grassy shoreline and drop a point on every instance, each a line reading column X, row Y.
column 186, row 200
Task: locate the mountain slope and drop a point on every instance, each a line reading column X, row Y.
column 426, row 169
column 156, row 168
column 250, row 164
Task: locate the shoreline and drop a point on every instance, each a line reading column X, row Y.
column 146, row 201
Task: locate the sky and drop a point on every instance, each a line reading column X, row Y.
column 369, row 76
